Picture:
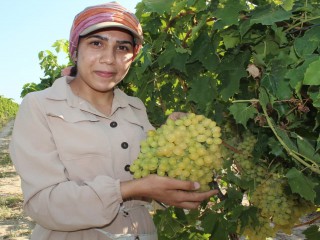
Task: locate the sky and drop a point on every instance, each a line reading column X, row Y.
column 29, row 27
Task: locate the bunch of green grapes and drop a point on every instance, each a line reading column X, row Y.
column 259, row 230
column 186, row 149
column 244, row 159
column 283, row 210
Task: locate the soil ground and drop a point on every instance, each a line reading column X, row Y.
column 15, row 226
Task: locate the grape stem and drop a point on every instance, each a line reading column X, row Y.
column 307, row 223
column 292, row 153
column 231, row 147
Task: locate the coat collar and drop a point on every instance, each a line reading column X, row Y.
column 61, row 91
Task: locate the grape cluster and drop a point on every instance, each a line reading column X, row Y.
column 259, row 230
column 272, row 200
column 244, row 159
column 277, row 209
column 187, row 149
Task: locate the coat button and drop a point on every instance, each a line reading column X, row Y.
column 127, row 168
column 124, row 145
column 113, row 124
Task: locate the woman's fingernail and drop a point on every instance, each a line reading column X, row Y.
column 196, row 185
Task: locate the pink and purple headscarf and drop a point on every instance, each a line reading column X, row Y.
column 102, row 16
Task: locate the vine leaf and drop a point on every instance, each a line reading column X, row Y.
column 168, row 54
column 158, row 6
column 230, row 74
column 311, row 77
column 288, row 4
column 275, row 80
column 216, row 224
column 297, row 74
column 201, row 91
column 312, row 233
column 307, row 44
column 166, row 223
column 301, row 185
column 267, row 15
column 228, row 13
column 306, row 149
column 315, row 96
column 242, row 112
column 205, row 52
column 174, row 57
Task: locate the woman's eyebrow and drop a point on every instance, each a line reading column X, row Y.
column 107, row 39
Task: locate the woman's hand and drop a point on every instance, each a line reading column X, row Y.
column 169, row 191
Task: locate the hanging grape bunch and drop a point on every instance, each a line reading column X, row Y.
column 185, row 149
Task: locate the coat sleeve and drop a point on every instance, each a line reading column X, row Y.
column 52, row 200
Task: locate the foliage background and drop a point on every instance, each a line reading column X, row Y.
column 8, row 110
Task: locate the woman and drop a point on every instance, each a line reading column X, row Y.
column 73, row 143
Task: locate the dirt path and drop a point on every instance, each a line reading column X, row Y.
column 15, row 226
column 5, row 134
column 9, row 185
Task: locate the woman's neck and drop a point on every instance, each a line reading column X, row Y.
column 102, row 101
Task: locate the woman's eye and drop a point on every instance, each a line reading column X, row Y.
column 123, row 48
column 96, row 43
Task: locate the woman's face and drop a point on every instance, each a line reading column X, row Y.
column 104, row 58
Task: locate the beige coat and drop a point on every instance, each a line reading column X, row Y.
column 71, row 160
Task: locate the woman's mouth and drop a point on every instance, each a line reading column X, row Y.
column 105, row 74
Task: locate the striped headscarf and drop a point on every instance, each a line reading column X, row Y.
column 101, row 16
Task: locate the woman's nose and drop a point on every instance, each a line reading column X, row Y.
column 107, row 56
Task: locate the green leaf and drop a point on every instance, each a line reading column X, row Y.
column 264, row 97
column 230, row 39
column 285, row 138
column 209, row 220
column 296, row 75
column 230, row 83
column 215, row 224
column 308, row 43
column 275, row 80
column 275, row 147
column 165, row 222
column 249, row 216
column 314, row 93
column 179, row 61
column 158, row 6
column 181, row 215
column 231, row 70
column 312, row 76
column 312, row 233
column 301, row 184
column 61, row 45
column 242, row 112
column 204, row 51
column 228, row 13
column 287, row 4
column 280, row 35
column 268, row 15
column 201, row 91
column 306, row 149
column 166, row 57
